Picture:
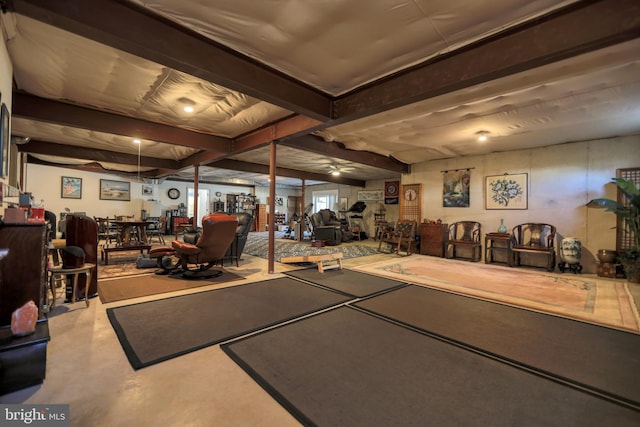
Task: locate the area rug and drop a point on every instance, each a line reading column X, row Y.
column 588, row 355
column 348, row 368
column 258, row 245
column 349, row 282
column 121, row 264
column 124, row 288
column 571, row 295
column 154, row 331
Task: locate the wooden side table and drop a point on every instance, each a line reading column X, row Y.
column 500, row 243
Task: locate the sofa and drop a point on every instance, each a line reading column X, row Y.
column 327, row 227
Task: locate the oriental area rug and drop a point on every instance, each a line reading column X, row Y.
column 604, row 302
column 258, row 245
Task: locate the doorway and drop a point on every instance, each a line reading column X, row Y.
column 203, row 204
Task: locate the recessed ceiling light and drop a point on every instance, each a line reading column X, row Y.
column 137, row 141
column 335, row 173
column 482, row 138
column 187, row 104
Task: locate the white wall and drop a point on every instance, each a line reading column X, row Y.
column 44, row 182
column 6, row 79
column 562, row 179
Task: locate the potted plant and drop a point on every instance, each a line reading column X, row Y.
column 630, row 216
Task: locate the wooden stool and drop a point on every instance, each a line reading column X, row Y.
column 86, row 269
column 356, row 232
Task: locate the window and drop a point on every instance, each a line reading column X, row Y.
column 325, row 199
column 625, row 238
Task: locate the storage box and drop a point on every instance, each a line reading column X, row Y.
column 23, row 360
column 14, row 216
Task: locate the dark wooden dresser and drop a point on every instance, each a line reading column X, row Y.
column 433, row 239
column 23, row 277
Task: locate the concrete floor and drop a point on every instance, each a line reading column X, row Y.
column 87, row 369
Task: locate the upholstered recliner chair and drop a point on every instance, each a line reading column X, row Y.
column 218, row 232
column 326, row 227
column 245, row 220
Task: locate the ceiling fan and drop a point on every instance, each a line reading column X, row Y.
column 336, row 170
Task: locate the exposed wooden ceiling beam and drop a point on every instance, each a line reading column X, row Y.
column 88, row 167
column 133, row 29
column 291, row 127
column 317, row 145
column 577, row 29
column 75, row 152
column 35, row 108
column 237, row 165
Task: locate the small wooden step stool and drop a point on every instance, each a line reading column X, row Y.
column 325, row 262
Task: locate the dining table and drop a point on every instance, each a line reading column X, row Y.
column 132, row 232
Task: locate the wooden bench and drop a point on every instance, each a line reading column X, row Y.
column 536, row 239
column 108, row 249
column 325, row 261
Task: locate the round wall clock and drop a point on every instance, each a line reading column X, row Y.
column 410, row 194
column 218, row 194
column 173, row 193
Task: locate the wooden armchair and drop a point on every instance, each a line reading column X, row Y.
column 465, row 234
column 402, row 236
column 536, row 239
column 105, row 231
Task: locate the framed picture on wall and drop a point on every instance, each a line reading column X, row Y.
column 147, row 190
column 506, row 191
column 115, row 190
column 71, row 188
column 364, row 195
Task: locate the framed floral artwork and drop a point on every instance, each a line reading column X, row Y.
column 508, row 191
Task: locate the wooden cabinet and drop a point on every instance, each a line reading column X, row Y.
column 241, row 203
column 433, row 239
column 279, row 218
column 23, row 360
column 23, row 272
column 177, row 220
column 261, row 220
column 217, row 206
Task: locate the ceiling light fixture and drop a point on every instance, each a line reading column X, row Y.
column 482, row 135
column 335, row 172
column 187, row 105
